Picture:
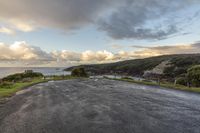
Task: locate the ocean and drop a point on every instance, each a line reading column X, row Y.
column 5, row 71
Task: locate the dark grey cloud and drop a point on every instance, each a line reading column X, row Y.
column 62, row 14
column 146, row 19
column 120, row 19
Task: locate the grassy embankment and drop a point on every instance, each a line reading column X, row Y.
column 163, row 84
column 9, row 89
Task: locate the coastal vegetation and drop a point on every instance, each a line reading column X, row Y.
column 180, row 72
column 27, row 75
column 193, row 75
column 79, row 72
column 162, row 84
column 182, row 69
column 13, row 83
column 7, row 89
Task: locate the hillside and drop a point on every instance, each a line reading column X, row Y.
column 177, row 65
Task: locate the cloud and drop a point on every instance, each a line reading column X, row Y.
column 23, row 54
column 120, row 19
column 65, row 55
column 60, row 14
column 5, row 30
column 139, row 46
column 116, row 46
column 157, row 51
column 22, row 51
column 97, row 56
column 167, row 50
column 147, row 19
column 11, row 26
column 22, row 25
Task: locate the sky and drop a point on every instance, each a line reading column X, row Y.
column 62, row 33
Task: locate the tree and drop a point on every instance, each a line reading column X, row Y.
column 193, row 75
column 79, row 72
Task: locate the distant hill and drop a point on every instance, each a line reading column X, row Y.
column 176, row 66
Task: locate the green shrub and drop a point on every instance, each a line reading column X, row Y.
column 79, row 72
column 21, row 76
column 5, row 85
column 182, row 81
column 193, row 74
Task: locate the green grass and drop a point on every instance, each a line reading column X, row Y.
column 166, row 85
column 9, row 89
column 62, row 77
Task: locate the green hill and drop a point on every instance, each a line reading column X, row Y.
column 177, row 66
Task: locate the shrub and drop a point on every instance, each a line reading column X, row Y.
column 182, row 81
column 193, row 74
column 5, row 85
column 21, row 76
column 79, row 72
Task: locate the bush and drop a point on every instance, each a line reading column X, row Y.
column 21, row 76
column 5, row 85
column 182, row 81
column 194, row 75
column 79, row 72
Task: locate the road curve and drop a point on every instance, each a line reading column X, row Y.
column 103, row 106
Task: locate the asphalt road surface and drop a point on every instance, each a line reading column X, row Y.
column 103, row 106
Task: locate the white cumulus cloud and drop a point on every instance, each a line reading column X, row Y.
column 22, row 51
column 97, row 56
column 23, row 54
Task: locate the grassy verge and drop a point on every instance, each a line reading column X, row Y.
column 166, row 85
column 10, row 89
column 61, row 77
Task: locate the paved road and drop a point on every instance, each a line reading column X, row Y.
column 103, row 106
